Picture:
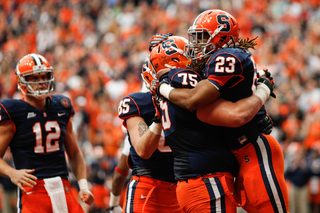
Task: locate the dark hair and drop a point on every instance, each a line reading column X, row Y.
column 247, row 43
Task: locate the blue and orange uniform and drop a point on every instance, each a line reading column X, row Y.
column 38, row 144
column 203, row 165
column 233, row 71
column 152, row 187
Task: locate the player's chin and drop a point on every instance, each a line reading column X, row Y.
column 40, row 96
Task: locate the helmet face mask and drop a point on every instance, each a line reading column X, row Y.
column 212, row 30
column 34, row 76
column 149, row 75
column 199, row 44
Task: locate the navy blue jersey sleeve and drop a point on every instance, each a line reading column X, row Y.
column 184, row 78
column 136, row 104
column 5, row 106
column 63, row 102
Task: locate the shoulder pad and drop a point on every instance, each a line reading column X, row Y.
column 136, row 104
column 184, row 78
column 5, row 106
column 64, row 101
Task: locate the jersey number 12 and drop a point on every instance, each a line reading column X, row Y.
column 39, row 148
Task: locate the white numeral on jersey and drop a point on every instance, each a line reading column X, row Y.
column 37, row 130
column 166, row 123
column 162, row 147
column 220, row 62
column 192, row 79
column 50, row 137
column 123, row 106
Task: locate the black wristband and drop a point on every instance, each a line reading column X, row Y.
column 267, row 82
column 156, row 119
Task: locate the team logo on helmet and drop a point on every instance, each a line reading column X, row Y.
column 168, row 55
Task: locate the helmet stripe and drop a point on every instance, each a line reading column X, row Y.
column 40, row 59
column 36, row 59
column 195, row 21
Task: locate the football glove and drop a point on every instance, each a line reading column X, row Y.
column 156, row 103
column 157, row 39
column 264, row 77
column 266, row 125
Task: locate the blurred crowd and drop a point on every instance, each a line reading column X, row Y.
column 97, row 48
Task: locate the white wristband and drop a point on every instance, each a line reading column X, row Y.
column 165, row 90
column 263, row 92
column 156, row 128
column 83, row 184
column 114, row 200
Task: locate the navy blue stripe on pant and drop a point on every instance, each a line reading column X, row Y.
column 271, row 183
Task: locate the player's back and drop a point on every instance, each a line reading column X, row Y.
column 39, row 135
column 160, row 165
column 233, row 72
column 197, row 147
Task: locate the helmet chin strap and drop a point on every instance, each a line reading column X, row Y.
column 210, row 47
column 39, row 97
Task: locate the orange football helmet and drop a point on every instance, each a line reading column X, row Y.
column 149, row 75
column 168, row 55
column 212, row 30
column 34, row 64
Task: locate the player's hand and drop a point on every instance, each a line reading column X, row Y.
column 266, row 125
column 156, row 103
column 114, row 209
column 23, row 177
column 264, row 77
column 153, row 87
column 157, row 39
column 86, row 196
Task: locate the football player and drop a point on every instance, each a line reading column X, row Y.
column 200, row 162
column 152, row 186
column 38, row 129
column 229, row 70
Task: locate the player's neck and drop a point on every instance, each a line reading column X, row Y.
column 36, row 102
